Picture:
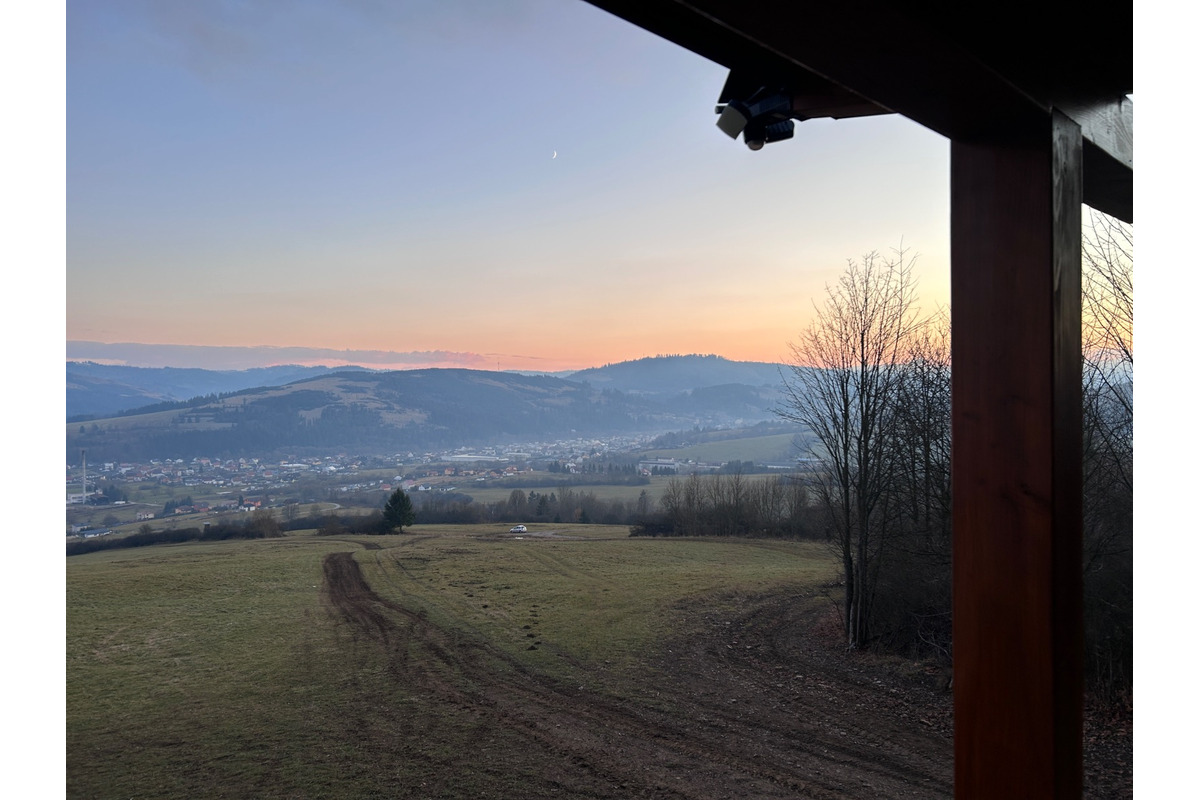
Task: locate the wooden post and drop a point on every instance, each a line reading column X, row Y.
column 1017, row 464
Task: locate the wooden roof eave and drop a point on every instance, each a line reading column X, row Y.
column 880, row 57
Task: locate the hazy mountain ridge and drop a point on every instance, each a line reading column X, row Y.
column 369, row 413
column 102, row 389
column 421, row 410
column 676, row 374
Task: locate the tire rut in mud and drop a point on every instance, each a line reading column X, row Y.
column 710, row 721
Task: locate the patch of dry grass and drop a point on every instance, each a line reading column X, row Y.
column 215, row 669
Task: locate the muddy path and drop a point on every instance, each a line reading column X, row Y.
column 753, row 706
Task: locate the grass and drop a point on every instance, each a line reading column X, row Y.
column 775, row 449
column 188, row 665
column 214, row 669
column 594, row 595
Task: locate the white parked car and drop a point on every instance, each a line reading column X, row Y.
column 517, row 529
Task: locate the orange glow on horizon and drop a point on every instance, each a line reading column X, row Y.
column 735, row 326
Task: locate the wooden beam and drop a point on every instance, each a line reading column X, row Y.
column 933, row 63
column 1107, row 129
column 1017, row 464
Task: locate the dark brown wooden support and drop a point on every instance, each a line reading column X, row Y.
column 1017, row 470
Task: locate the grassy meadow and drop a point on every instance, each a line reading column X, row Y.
column 221, row 669
column 773, row 449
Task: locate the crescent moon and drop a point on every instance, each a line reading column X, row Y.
column 555, row 154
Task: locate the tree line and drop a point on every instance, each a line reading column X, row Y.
column 260, row 525
column 562, row 505
column 870, row 378
column 732, row 505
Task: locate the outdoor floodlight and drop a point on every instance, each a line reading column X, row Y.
column 764, row 117
column 757, row 133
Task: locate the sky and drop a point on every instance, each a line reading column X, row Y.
column 532, row 185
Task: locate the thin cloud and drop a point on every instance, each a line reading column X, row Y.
column 249, row 357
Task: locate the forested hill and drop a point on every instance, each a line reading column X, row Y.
column 95, row 390
column 366, row 412
column 100, row 390
column 674, row 375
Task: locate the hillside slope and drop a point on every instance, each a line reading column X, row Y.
column 379, row 413
column 97, row 390
column 673, row 375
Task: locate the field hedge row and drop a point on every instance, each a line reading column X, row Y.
column 252, row 529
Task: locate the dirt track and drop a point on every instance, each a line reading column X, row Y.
column 763, row 702
column 756, row 709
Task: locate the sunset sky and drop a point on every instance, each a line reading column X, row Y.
column 532, row 184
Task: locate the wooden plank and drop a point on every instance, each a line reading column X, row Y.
column 1017, row 422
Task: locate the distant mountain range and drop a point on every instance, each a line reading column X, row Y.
column 316, row 410
column 666, row 376
column 96, row 390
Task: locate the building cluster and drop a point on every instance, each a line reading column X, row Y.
column 260, row 475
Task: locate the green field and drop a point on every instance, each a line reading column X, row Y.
column 241, row 669
column 775, row 449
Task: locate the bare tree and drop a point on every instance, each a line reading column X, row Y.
column 1108, row 452
column 723, row 504
column 1108, row 342
column 912, row 606
column 842, row 381
column 796, row 508
column 264, row 525
column 764, row 506
column 921, row 438
column 518, row 502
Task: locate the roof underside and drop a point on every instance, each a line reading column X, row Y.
column 967, row 71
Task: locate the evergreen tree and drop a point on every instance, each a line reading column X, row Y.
column 398, row 511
